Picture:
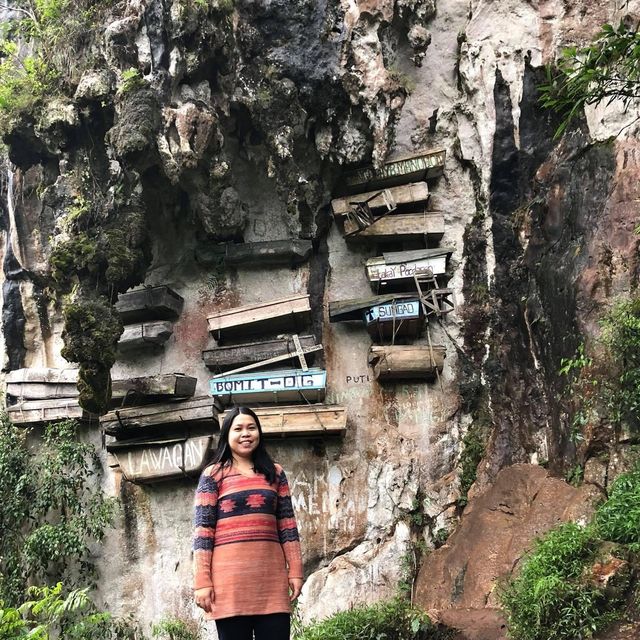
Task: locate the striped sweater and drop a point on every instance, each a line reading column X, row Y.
column 246, row 544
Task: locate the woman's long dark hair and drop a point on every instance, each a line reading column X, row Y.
column 262, row 462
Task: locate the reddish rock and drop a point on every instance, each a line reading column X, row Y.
column 496, row 529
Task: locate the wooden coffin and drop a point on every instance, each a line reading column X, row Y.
column 274, row 316
column 147, row 334
column 37, row 411
column 404, row 265
column 302, row 420
column 150, row 303
column 399, row 226
column 289, row 385
column 146, row 461
column 410, row 168
column 165, row 385
column 396, row 362
column 257, row 254
column 405, row 195
column 252, row 352
column 42, row 383
column 397, row 318
column 131, row 420
column 353, row 309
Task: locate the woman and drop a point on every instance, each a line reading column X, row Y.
column 247, row 560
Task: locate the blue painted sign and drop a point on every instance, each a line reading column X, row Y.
column 400, row 310
column 272, row 386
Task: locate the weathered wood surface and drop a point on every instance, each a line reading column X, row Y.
column 272, row 316
column 429, row 225
column 150, row 303
column 42, row 383
column 292, row 385
column 240, row 355
column 270, row 252
column 38, row 411
column 398, row 318
column 130, row 420
column 164, row 385
column 353, row 309
column 406, row 194
column 410, row 168
column 301, row 420
column 406, row 362
column 404, row 265
column 147, row 461
column 147, row 334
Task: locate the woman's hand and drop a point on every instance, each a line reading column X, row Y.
column 295, row 587
column 204, row 598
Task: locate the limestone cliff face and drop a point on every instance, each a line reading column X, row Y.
column 237, row 125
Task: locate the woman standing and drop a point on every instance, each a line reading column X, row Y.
column 247, row 560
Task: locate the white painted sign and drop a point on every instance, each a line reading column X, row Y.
column 403, row 270
column 401, row 310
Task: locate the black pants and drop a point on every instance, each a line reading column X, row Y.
column 273, row 626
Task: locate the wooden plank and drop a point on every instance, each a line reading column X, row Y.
column 422, row 165
column 344, row 310
column 249, row 318
column 302, row 420
column 406, row 194
column 380, row 272
column 42, row 383
column 149, row 303
column 144, row 335
column 155, row 460
column 129, row 420
column 43, row 374
column 167, row 384
column 396, row 362
column 270, row 252
column 396, row 257
column 292, row 385
column 239, row 355
column 403, row 225
column 38, row 411
column 299, row 356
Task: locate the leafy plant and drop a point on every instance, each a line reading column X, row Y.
column 393, row 620
column 50, row 613
column 131, row 80
column 607, row 69
column 473, row 448
column 618, row 519
column 52, row 510
column 176, row 629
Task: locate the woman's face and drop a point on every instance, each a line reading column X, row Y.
column 243, row 436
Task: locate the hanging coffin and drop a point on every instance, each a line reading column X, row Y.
column 147, row 461
column 278, row 315
column 401, row 266
column 406, row 195
column 240, row 355
column 129, row 421
column 40, row 384
column 38, row 411
column 402, row 226
column 145, row 335
column 293, row 385
column 166, row 385
column 302, row 420
column 410, row 168
column 397, row 318
column 406, row 362
column 150, row 303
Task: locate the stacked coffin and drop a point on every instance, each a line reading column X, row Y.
column 262, row 357
column 148, row 316
column 160, row 431
column 391, row 205
column 43, row 395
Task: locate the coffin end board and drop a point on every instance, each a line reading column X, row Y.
column 150, row 303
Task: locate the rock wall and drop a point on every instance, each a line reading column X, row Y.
column 246, row 114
